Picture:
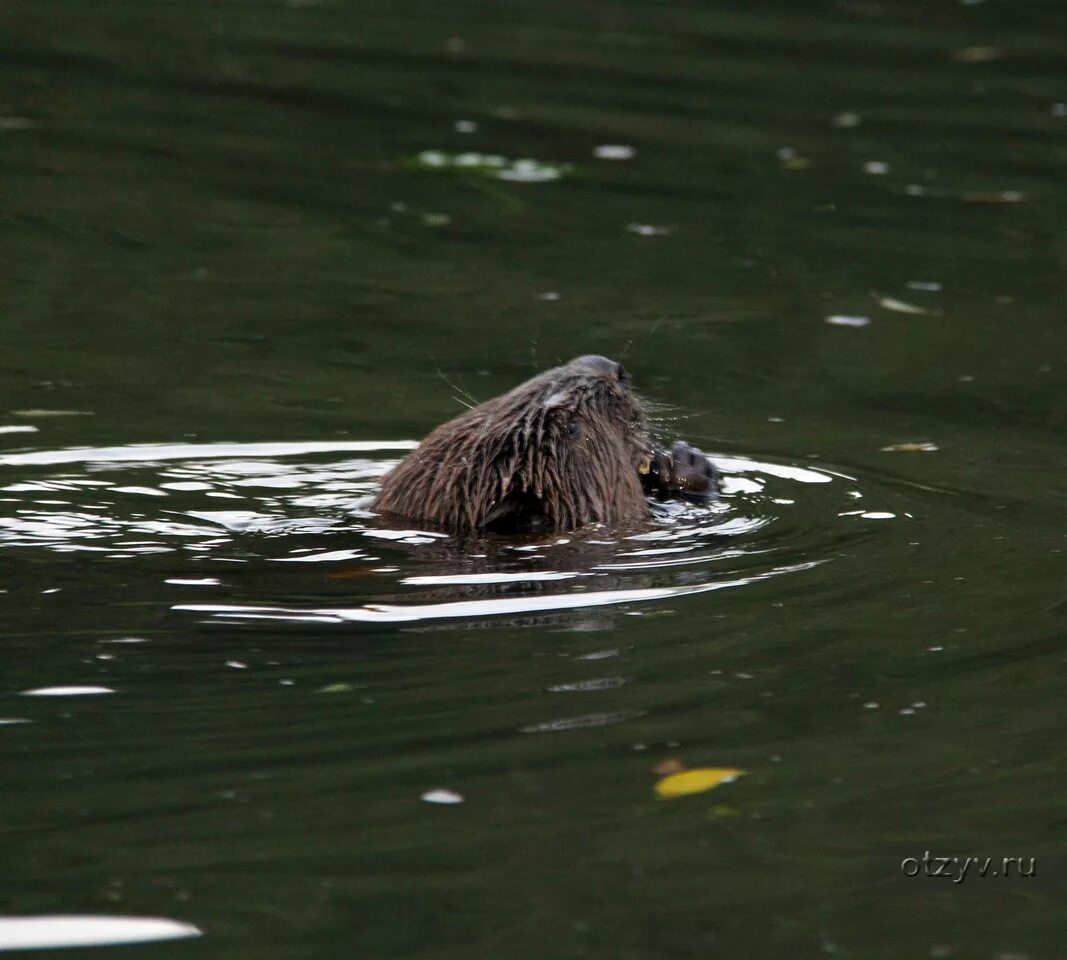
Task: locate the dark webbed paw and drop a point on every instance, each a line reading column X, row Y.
column 683, row 470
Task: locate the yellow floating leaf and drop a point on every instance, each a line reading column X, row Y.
column 696, row 781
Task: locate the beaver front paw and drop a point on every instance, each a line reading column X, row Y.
column 683, row 470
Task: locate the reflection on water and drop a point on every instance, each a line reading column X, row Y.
column 51, row 932
column 287, row 499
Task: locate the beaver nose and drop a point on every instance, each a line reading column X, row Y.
column 603, row 366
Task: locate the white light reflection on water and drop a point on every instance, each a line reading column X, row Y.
column 154, row 452
column 401, row 613
column 71, row 691
column 51, row 932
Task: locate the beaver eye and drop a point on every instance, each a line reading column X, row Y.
column 573, row 429
column 623, row 374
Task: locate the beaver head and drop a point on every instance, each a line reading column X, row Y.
column 561, row 450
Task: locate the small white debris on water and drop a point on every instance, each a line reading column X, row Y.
column 194, row 581
column 923, row 447
column 465, row 126
column 442, row 796
column 876, row 168
column 899, row 306
column 878, row 515
column 236, row 665
column 549, row 295
column 846, row 320
column 648, row 230
column 614, row 151
column 530, row 171
column 870, row 705
column 847, row 120
column 928, row 286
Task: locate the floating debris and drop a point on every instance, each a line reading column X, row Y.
column 614, row 151
column 927, row 286
column 523, row 170
column 876, row 168
column 899, row 306
column 845, row 320
column 442, row 796
column 994, row 196
column 19, row 429
column 847, row 120
column 465, row 126
column 985, row 54
column 696, row 781
column 923, row 446
column 791, row 160
column 531, row 171
column 584, row 686
column 648, row 230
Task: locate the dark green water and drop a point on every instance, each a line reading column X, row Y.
column 223, row 258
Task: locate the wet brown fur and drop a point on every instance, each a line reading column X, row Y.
column 559, row 451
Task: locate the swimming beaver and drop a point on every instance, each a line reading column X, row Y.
column 567, row 448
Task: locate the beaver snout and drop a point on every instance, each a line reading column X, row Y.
column 602, row 366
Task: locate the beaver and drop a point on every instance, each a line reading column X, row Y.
column 566, row 448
